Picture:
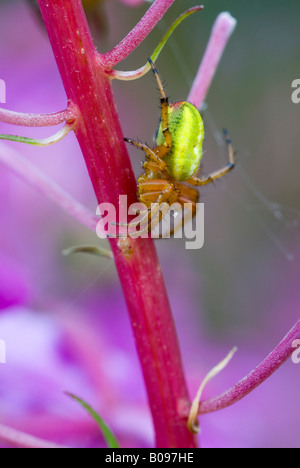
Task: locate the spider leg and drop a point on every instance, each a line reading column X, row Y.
column 217, row 174
column 150, row 166
column 187, row 195
column 160, row 208
column 151, row 155
column 175, row 228
column 150, row 191
column 157, row 210
column 168, row 194
column 164, row 114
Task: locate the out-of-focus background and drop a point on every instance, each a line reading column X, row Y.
column 64, row 319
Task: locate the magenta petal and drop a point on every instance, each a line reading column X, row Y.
column 15, row 286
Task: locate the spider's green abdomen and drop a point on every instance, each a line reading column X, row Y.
column 186, row 127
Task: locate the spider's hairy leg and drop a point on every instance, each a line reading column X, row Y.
column 188, row 198
column 151, row 155
column 166, row 193
column 157, row 210
column 149, row 192
column 155, row 215
column 221, row 172
column 185, row 218
column 150, row 166
column 164, row 113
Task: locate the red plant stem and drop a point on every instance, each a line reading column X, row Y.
column 100, row 136
column 261, row 373
column 36, row 120
column 137, row 35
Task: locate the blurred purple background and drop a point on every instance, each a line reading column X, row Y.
column 64, row 319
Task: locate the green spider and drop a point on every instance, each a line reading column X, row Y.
column 171, row 167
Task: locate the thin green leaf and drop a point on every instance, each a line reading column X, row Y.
column 18, row 139
column 109, row 437
column 170, row 31
column 45, row 141
column 133, row 75
column 100, row 252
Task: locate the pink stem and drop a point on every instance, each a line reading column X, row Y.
column 36, row 120
column 221, row 32
column 22, row 440
column 53, row 425
column 137, row 35
column 101, row 139
column 270, row 365
column 39, row 181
